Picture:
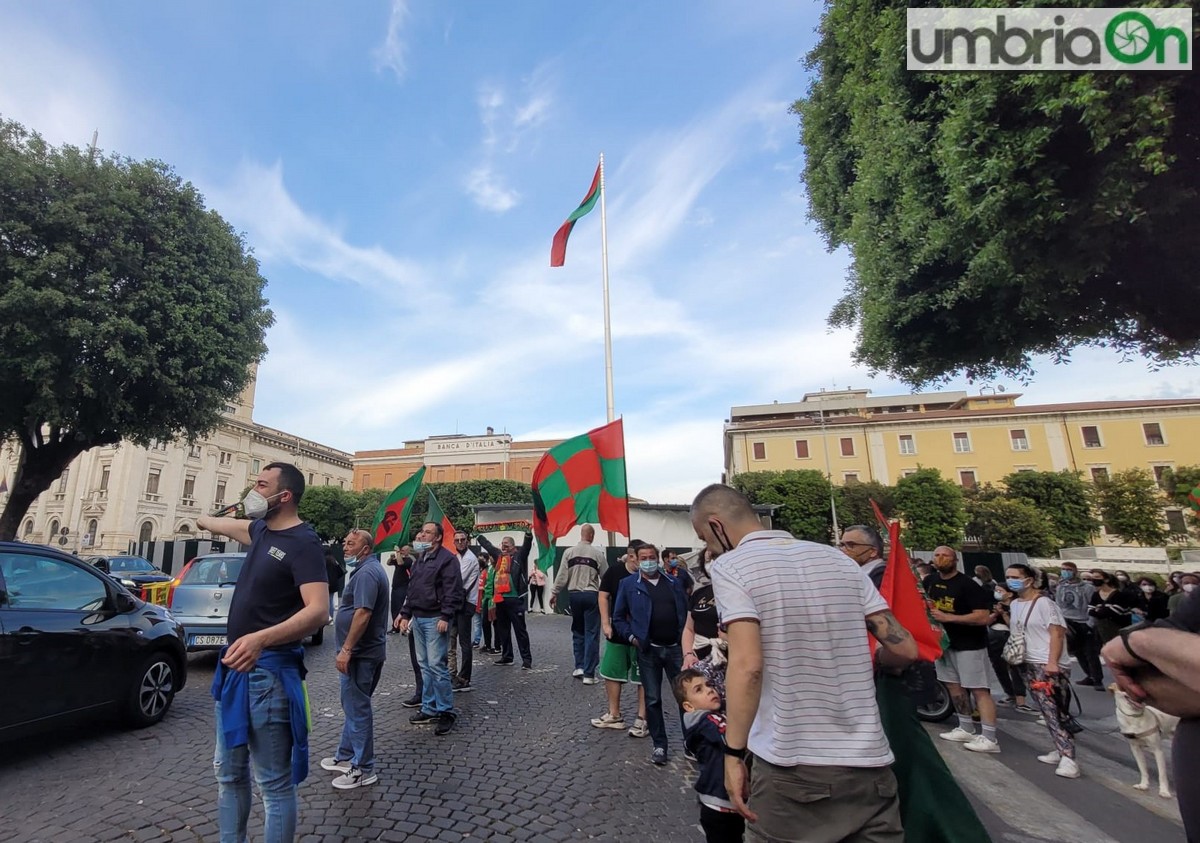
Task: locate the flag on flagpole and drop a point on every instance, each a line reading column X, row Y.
column 437, row 516
column 558, row 251
column 904, row 595
column 391, row 519
column 579, row 481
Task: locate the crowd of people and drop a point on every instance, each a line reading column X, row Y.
column 762, row 718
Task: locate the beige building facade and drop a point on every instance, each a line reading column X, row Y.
column 450, row 459
column 114, row 495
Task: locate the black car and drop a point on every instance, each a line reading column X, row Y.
column 74, row 642
column 133, row 572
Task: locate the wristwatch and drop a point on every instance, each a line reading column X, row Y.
column 740, row 754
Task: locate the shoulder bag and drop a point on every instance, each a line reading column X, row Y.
column 1014, row 647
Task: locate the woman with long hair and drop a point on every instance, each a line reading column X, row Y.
column 1111, row 607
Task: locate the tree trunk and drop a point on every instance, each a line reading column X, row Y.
column 38, row 467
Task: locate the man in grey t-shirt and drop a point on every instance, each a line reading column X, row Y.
column 1073, row 597
column 579, row 572
column 361, row 629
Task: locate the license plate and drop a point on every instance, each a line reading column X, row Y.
column 201, row 640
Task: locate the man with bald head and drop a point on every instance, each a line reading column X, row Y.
column 361, row 630
column 579, row 572
column 800, row 687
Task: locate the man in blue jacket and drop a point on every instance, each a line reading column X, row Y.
column 650, row 614
column 435, row 596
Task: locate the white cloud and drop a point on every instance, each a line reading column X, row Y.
column 489, row 192
column 392, row 53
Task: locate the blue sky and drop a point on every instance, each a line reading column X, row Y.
column 399, row 169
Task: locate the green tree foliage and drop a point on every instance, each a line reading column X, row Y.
column 457, row 498
column 992, row 216
column 932, row 510
column 803, row 496
column 1003, row 524
column 330, row 510
column 1063, row 497
column 854, row 503
column 127, row 310
column 1131, row 506
column 1179, row 482
column 368, row 504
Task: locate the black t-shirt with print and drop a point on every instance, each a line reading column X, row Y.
column 960, row 595
column 703, row 609
column 610, row 582
column 268, row 587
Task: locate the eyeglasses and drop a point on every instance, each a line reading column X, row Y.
column 852, row 544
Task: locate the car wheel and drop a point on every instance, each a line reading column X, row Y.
column 153, row 690
column 318, row 637
column 938, row 709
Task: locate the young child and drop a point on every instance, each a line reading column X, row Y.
column 704, row 737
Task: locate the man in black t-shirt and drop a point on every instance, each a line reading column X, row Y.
column 618, row 665
column 964, row 609
column 282, row 595
column 1160, row 664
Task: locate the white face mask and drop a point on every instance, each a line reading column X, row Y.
column 1189, row 587
column 256, row 506
column 998, row 594
column 1148, row 589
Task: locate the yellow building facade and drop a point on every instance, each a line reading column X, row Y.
column 451, row 459
column 971, row 439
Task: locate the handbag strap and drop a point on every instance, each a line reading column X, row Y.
column 1029, row 614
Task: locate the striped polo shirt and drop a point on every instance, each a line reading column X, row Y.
column 818, row 689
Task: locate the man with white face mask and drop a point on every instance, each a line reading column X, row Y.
column 282, row 596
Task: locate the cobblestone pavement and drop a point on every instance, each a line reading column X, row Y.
column 522, row 764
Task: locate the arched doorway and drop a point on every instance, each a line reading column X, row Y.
column 147, row 531
column 93, row 534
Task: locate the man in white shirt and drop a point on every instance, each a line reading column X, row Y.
column 800, row 688
column 468, row 564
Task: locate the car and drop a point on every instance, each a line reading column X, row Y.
column 75, row 643
column 133, row 572
column 200, row 597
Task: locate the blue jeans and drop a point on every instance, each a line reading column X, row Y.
column 270, row 748
column 432, row 647
column 358, row 733
column 585, row 630
column 652, row 663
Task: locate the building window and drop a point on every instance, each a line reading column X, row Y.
column 226, row 458
column 1099, row 475
column 341, row 484
column 1020, row 442
column 53, row 527
column 256, row 467
column 759, row 450
column 189, row 489
column 847, row 443
column 908, row 445
column 1160, row 472
column 152, row 478
column 194, row 452
column 312, row 478
column 328, row 480
column 1091, row 436
column 1152, row 432
column 185, row 529
column 464, row 474
column 801, row 449
column 489, row 474
column 849, row 477
column 147, row 532
column 220, row 495
column 62, row 480
column 28, row 528
column 962, row 442
column 967, row 479
column 526, row 474
column 1175, row 522
column 908, row 472
column 90, row 539
column 366, row 481
column 105, row 470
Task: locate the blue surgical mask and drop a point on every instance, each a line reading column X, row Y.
column 1015, row 585
column 1067, row 574
column 649, row 567
column 421, row 547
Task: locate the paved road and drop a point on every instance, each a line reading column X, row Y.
column 522, row 765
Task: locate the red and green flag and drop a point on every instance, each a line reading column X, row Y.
column 391, row 519
column 437, row 516
column 580, row 481
column 1193, row 500
column 558, row 251
column 905, row 596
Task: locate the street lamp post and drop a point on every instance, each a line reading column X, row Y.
column 828, row 469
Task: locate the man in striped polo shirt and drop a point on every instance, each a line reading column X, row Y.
column 800, row 688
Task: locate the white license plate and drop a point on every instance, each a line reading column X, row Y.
column 201, row 640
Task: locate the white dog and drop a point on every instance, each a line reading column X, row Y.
column 1145, row 727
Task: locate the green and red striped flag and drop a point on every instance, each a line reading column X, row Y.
column 391, row 519
column 1193, row 500
column 579, row 481
column 437, row 516
column 558, row 251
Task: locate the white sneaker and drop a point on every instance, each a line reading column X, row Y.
column 1067, row 768
column 355, row 778
column 982, row 744
column 1050, row 757
column 607, row 721
column 958, row 734
column 640, row 729
column 576, row 673
column 333, row 765
column 1041, row 721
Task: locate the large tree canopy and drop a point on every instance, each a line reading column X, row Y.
column 992, row 216
column 127, row 310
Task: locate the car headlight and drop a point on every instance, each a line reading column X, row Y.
column 129, row 583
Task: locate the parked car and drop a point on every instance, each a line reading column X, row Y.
column 200, row 598
column 133, row 572
column 74, row 642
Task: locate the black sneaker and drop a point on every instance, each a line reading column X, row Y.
column 503, row 661
column 1086, row 681
column 445, row 722
column 422, row 719
column 412, row 702
column 659, row 757
column 527, row 666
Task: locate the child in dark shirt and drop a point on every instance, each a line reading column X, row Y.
column 704, row 737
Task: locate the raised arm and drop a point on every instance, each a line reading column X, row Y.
column 237, row 529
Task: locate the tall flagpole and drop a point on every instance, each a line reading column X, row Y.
column 608, row 376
